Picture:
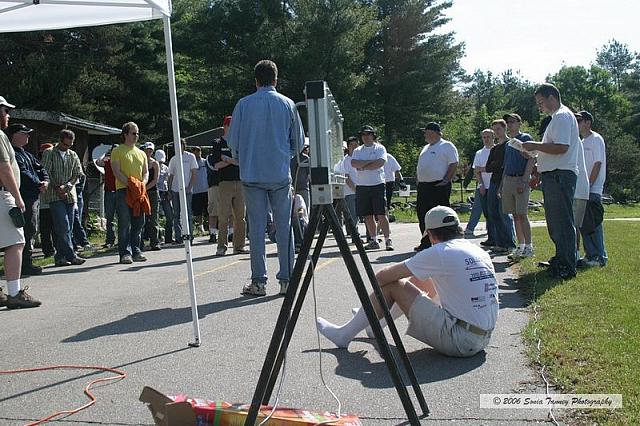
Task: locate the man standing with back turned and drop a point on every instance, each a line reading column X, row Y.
column 266, row 132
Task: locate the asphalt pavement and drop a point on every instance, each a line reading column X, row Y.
column 138, row 318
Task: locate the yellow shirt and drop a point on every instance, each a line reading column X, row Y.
column 132, row 160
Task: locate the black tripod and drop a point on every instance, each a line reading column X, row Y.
column 289, row 313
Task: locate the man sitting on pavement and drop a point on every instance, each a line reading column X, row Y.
column 449, row 292
column 33, row 181
column 11, row 235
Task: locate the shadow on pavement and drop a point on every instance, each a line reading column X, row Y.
column 429, row 366
column 162, row 318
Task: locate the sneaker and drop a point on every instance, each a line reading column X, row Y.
column 515, row 255
column 126, row 259
column 221, row 251
column 284, row 285
column 254, row 289
column 3, row 298
column 31, row 270
column 527, row 252
column 469, row 234
column 139, row 257
column 240, row 251
column 487, row 243
column 77, row 261
column 22, row 300
column 213, row 238
column 62, row 263
column 389, row 245
column 593, row 263
column 156, row 248
column 372, row 245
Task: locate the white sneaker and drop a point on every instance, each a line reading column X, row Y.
column 527, row 252
column 389, row 245
column 515, row 255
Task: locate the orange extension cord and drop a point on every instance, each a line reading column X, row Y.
column 87, row 390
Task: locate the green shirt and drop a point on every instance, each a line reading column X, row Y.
column 61, row 171
column 8, row 155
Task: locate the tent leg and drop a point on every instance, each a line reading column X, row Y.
column 183, row 196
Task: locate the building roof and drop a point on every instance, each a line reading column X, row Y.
column 62, row 118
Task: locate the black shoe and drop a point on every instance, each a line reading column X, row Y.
column 3, row 298
column 213, row 238
column 31, row 270
column 487, row 243
column 155, row 248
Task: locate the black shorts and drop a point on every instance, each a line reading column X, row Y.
column 370, row 200
column 199, row 204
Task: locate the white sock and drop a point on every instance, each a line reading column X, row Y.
column 13, row 287
column 342, row 335
column 396, row 313
column 522, row 246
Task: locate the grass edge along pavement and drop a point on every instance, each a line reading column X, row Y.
column 589, row 326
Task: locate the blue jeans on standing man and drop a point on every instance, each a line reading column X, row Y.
column 62, row 218
column 502, row 223
column 177, row 217
column 109, row 214
column 129, row 226
column 258, row 197
column 558, row 188
column 594, row 242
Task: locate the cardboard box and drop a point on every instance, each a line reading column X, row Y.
column 180, row 410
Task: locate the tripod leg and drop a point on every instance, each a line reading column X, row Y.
column 283, row 318
column 324, row 228
column 385, row 350
column 392, row 326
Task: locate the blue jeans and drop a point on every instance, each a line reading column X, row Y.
column 109, row 214
column 129, row 226
column 558, row 188
column 502, row 223
column 257, row 198
column 62, row 217
column 177, row 220
column 594, row 243
column 476, row 211
column 167, row 210
column 79, row 234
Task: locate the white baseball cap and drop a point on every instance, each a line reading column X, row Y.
column 160, row 156
column 4, row 102
column 148, row 145
column 440, row 217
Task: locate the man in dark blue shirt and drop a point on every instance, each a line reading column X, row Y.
column 518, row 166
column 33, row 181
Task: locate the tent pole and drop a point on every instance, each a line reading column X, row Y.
column 184, row 217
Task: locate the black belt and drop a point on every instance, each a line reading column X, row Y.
column 472, row 328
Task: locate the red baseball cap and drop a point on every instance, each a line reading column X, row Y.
column 227, row 121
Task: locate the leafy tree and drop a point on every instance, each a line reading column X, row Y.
column 616, row 58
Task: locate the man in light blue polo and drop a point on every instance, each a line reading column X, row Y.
column 266, row 132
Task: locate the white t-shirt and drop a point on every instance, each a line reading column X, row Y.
column 391, row 166
column 464, row 279
column 344, row 166
column 434, row 160
column 594, row 151
column 582, row 183
column 480, row 160
column 373, row 152
column 189, row 163
column 562, row 130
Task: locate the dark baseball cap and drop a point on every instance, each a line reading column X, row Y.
column 506, row 117
column 17, row 128
column 367, row 129
column 433, row 126
column 586, row 115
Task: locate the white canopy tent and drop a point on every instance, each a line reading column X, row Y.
column 37, row 15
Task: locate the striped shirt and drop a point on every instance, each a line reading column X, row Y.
column 61, row 172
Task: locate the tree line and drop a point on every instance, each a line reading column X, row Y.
column 388, row 62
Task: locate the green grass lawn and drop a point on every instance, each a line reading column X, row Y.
column 590, row 325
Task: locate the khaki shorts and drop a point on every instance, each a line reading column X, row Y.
column 431, row 324
column 579, row 207
column 9, row 234
column 512, row 201
column 213, row 200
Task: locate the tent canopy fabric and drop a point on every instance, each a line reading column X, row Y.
column 35, row 15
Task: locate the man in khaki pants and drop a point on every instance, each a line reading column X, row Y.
column 230, row 195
